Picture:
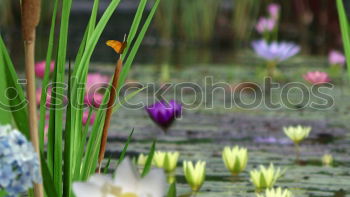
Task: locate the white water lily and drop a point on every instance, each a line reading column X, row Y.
column 298, row 133
column 127, row 183
column 279, row 192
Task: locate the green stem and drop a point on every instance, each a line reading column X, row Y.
column 297, row 153
column 271, row 67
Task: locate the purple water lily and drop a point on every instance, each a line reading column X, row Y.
column 275, row 51
column 163, row 113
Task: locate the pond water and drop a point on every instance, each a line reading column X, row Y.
column 202, row 133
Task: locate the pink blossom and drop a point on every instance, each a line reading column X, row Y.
column 274, row 10
column 336, row 58
column 86, row 116
column 265, row 25
column 95, row 81
column 94, row 99
column 48, row 97
column 40, row 68
column 317, row 77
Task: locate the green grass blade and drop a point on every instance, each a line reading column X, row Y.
column 149, row 161
column 172, row 190
column 46, row 79
column 135, row 24
column 105, row 170
column 19, row 102
column 5, row 111
column 122, row 155
column 58, row 91
column 137, row 44
column 47, row 178
column 344, row 27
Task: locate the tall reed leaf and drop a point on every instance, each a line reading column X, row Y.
column 18, row 101
column 344, row 26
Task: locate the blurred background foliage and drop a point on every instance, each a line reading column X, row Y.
column 194, row 31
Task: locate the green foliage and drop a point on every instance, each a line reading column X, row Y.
column 344, row 26
column 76, row 158
column 172, row 190
column 149, row 161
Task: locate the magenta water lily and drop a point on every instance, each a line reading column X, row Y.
column 164, row 113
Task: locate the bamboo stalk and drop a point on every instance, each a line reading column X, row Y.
column 112, row 96
column 30, row 18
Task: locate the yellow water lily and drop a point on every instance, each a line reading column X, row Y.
column 265, row 178
column 327, row 160
column 166, row 160
column 235, row 159
column 194, row 174
column 142, row 159
column 298, row 133
column 126, row 183
column 279, row 192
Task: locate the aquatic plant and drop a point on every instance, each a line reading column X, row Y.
column 40, row 68
column 69, row 155
column 297, row 134
column 265, row 25
column 279, row 192
column 164, row 113
column 265, row 178
column 166, row 160
column 317, row 77
column 93, row 99
column 274, row 10
column 345, row 31
column 274, row 52
column 336, row 58
column 142, row 159
column 95, row 81
column 194, row 174
column 327, row 160
column 127, row 182
column 19, row 163
column 235, row 159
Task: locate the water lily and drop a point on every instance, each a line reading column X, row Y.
column 95, row 81
column 93, row 100
column 275, row 51
column 142, row 159
column 166, row 160
column 265, row 178
column 327, row 160
column 279, row 192
column 265, row 25
column 336, row 58
column 274, row 10
column 235, row 159
column 40, row 68
column 194, row 174
column 19, row 163
column 317, row 77
column 86, row 117
column 38, row 96
column 164, row 113
column 126, row 183
column 298, row 133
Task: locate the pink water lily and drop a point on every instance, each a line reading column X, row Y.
column 336, row 58
column 94, row 100
column 86, row 116
column 48, row 97
column 40, row 68
column 265, row 25
column 275, row 51
column 274, row 10
column 317, row 77
column 95, row 81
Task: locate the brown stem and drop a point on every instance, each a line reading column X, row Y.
column 109, row 111
column 30, row 74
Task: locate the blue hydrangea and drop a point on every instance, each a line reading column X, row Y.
column 19, row 163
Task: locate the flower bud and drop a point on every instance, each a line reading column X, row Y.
column 194, row 174
column 265, row 178
column 235, row 159
column 298, row 133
